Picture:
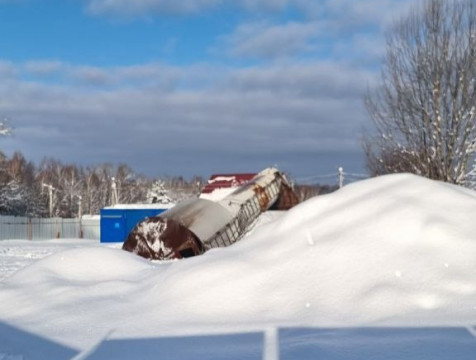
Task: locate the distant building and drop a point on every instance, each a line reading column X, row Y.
column 221, row 185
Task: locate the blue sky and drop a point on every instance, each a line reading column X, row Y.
column 193, row 86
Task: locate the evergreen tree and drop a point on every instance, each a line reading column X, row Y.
column 158, row 194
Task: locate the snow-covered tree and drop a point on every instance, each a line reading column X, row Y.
column 4, row 128
column 425, row 107
column 16, row 186
column 158, row 194
column 13, row 198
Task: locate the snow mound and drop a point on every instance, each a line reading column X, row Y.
column 397, row 250
column 84, row 264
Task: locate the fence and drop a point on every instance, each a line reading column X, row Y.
column 15, row 227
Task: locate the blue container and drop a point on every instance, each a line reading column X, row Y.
column 116, row 224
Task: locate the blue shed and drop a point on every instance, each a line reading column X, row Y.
column 117, row 222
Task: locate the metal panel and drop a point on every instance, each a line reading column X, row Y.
column 200, row 216
column 13, row 227
column 24, row 228
column 116, row 224
column 90, row 228
column 113, row 225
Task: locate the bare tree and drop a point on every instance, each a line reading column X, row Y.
column 70, row 189
column 424, row 109
column 92, row 192
column 130, row 187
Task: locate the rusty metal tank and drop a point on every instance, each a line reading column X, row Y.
column 195, row 226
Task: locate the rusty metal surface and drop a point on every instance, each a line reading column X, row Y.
column 287, row 198
column 159, row 239
column 194, row 226
column 264, row 187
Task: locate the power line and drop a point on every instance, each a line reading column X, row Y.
column 360, row 176
column 340, row 176
column 316, row 177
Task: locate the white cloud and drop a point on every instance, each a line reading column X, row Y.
column 7, row 70
column 349, row 26
column 348, row 12
column 155, row 75
column 357, row 13
column 306, row 80
column 44, row 67
column 291, row 110
column 342, row 28
column 271, row 41
column 360, row 49
column 93, row 75
column 257, row 5
column 144, row 7
column 138, row 7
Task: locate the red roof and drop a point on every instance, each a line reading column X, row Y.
column 219, row 181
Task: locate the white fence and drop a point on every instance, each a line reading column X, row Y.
column 15, row 227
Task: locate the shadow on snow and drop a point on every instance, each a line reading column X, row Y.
column 435, row 343
column 17, row 344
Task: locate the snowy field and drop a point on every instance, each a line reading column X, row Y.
column 17, row 254
column 381, row 269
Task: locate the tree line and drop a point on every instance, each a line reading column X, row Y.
column 25, row 187
column 76, row 190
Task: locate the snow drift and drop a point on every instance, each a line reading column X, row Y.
column 397, row 250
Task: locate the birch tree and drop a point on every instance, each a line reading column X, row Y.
column 424, row 108
column 92, row 192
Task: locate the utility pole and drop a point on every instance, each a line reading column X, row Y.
column 341, row 177
column 80, row 215
column 50, row 197
column 80, row 206
column 114, row 197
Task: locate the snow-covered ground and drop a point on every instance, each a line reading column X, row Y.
column 381, row 269
column 17, row 254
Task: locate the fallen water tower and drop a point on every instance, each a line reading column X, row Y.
column 195, row 226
